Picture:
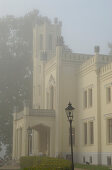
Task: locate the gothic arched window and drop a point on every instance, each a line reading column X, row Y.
column 51, row 97
column 47, row 98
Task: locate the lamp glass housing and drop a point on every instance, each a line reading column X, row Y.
column 69, row 111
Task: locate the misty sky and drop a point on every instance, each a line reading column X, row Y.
column 86, row 23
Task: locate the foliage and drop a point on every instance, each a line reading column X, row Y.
column 91, row 167
column 44, row 163
column 15, row 69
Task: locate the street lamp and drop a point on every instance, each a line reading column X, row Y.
column 69, row 112
column 29, row 130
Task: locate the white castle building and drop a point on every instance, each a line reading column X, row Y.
column 60, row 76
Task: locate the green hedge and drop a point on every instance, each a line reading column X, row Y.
column 44, row 163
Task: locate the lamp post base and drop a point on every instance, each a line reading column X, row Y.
column 72, row 166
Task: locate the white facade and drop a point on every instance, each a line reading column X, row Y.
column 60, row 76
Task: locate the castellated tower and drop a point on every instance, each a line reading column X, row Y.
column 44, row 48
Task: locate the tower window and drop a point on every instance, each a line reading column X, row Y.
column 85, row 133
column 109, row 129
column 108, row 94
column 90, row 97
column 52, row 97
column 85, row 99
column 47, row 100
column 91, row 133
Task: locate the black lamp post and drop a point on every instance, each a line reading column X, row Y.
column 29, row 130
column 69, row 112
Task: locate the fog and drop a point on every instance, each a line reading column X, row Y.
column 30, row 62
column 85, row 23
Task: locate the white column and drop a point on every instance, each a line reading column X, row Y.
column 19, row 149
column 38, row 142
column 14, row 140
column 21, row 142
column 15, row 153
column 33, row 142
column 48, row 142
column 51, row 142
column 16, row 143
column 24, row 142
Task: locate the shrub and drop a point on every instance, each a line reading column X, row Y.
column 44, row 163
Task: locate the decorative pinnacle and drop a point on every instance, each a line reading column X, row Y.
column 96, row 49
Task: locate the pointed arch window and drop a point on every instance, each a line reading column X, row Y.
column 51, row 97
column 47, row 97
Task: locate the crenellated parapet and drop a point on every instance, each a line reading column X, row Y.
column 96, row 61
column 45, row 20
column 106, row 69
column 88, row 63
column 104, row 58
column 68, row 56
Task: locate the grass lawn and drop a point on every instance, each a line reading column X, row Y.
column 91, row 167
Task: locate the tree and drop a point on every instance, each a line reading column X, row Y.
column 16, row 38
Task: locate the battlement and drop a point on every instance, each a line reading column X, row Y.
column 68, row 56
column 97, row 60
column 106, row 69
column 88, row 63
column 45, row 20
column 104, row 58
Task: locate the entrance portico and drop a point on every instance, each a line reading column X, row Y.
column 41, row 141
